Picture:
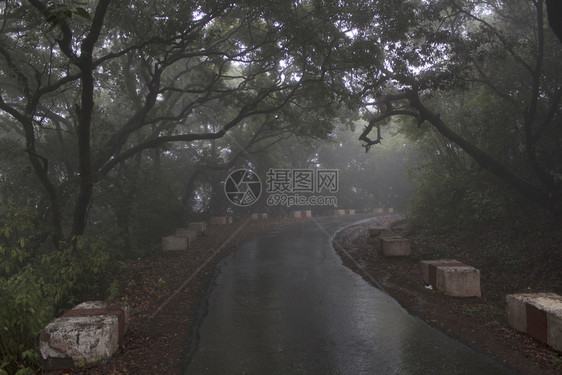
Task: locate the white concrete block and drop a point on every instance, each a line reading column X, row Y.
column 395, row 246
column 537, row 314
column 259, row 216
column 344, row 212
column 89, row 333
column 221, row 220
column 516, row 312
column 198, row 227
column 121, row 309
column 429, row 269
column 380, row 232
column 459, row 281
column 175, row 243
column 303, row 213
column 189, row 233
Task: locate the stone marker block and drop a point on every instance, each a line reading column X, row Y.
column 304, row 213
column 378, row 210
column 537, row 314
column 198, row 227
column 375, row 232
column 429, row 269
column 89, row 333
column 344, row 212
column 186, row 232
column 459, row 281
column 175, row 243
column 221, row 220
column 121, row 309
column 395, row 246
column 517, row 311
column 260, row 216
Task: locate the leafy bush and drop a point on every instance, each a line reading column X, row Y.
column 24, row 310
column 36, row 281
column 460, row 202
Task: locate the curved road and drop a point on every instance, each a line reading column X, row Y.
column 283, row 303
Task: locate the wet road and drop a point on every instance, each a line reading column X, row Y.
column 283, row 303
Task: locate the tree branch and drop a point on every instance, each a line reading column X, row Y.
column 486, row 161
column 65, row 44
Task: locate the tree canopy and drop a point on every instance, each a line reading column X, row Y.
column 90, row 85
column 503, row 53
column 119, row 119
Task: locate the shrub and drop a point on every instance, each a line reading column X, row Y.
column 461, row 202
column 36, row 280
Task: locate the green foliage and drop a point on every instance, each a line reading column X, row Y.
column 459, row 202
column 15, row 231
column 58, row 14
column 454, row 195
column 24, row 310
column 36, row 280
column 113, row 290
column 75, row 270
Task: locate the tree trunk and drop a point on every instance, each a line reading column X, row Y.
column 542, row 197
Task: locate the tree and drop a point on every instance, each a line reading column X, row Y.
column 87, row 87
column 370, row 180
column 554, row 10
column 501, row 49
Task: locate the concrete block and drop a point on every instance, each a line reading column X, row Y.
column 186, row 232
column 89, row 333
column 175, row 243
column 344, row 212
column 554, row 326
column 121, row 309
column 429, row 269
column 383, row 210
column 198, row 226
column 375, row 232
column 516, row 312
column 537, row 314
column 221, row 220
column 395, row 246
column 378, row 210
column 260, row 216
column 463, row 281
column 305, row 213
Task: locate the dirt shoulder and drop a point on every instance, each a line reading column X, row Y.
column 156, row 341
column 159, row 325
column 479, row 322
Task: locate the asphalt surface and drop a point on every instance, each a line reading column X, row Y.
column 283, row 303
